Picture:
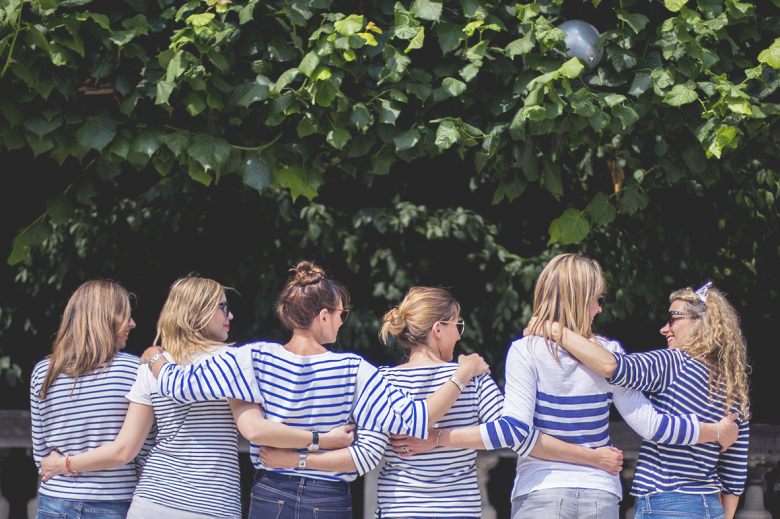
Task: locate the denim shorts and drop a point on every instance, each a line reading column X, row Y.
column 665, row 505
column 49, row 507
column 566, row 503
column 276, row 496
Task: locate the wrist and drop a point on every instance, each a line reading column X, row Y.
column 463, row 374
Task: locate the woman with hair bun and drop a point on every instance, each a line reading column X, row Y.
column 305, row 385
column 77, row 402
column 704, row 370
column 192, row 472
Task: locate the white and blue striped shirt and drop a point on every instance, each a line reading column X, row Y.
column 441, row 482
column 75, row 419
column 315, row 392
column 570, row 402
column 678, row 383
column 194, row 465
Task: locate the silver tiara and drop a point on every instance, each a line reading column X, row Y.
column 704, row 291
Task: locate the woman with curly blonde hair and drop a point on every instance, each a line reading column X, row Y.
column 704, row 371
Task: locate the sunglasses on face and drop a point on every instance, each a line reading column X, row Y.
column 344, row 314
column 460, row 324
column 675, row 316
column 602, row 298
column 225, row 307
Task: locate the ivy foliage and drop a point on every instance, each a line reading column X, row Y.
column 287, row 94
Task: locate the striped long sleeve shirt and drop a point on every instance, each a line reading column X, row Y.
column 441, row 482
column 678, row 383
column 315, row 392
column 568, row 401
column 76, row 418
column 194, row 465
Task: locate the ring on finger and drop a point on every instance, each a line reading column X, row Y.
column 406, row 449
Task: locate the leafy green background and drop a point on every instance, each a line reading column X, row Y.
column 401, row 143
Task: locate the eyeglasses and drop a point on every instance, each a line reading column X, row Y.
column 460, row 324
column 602, row 298
column 343, row 313
column 675, row 316
column 225, row 307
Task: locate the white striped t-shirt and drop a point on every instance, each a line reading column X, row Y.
column 77, row 419
column 315, row 392
column 678, row 383
column 568, row 401
column 194, row 465
column 443, row 481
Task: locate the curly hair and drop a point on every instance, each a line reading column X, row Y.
column 717, row 340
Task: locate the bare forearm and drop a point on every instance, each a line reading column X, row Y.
column 333, row 461
column 592, row 355
column 730, row 502
column 552, row 449
column 463, row 438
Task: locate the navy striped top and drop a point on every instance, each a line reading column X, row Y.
column 570, row 402
column 75, row 419
column 194, row 465
column 441, row 482
column 678, row 383
column 315, row 392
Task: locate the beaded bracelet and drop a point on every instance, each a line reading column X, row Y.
column 67, row 466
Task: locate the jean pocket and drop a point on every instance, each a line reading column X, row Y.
column 333, row 513
column 43, row 514
column 260, row 508
column 541, row 508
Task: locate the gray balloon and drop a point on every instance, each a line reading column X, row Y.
column 580, row 39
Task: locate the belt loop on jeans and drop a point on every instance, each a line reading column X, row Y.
column 648, row 508
column 706, row 504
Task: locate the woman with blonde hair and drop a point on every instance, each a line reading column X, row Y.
column 192, row 472
column 703, row 370
column 77, row 401
column 550, row 390
column 304, row 384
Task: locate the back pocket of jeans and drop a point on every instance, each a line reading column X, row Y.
column 260, row 508
column 332, row 513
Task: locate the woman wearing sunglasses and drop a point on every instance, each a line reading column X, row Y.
column 192, row 472
column 305, row 385
column 704, row 370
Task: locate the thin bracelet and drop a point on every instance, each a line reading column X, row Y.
column 67, row 466
column 457, row 382
column 437, row 437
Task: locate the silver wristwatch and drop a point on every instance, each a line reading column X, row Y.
column 155, row 359
column 302, row 460
column 315, row 442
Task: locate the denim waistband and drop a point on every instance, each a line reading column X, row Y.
column 268, row 474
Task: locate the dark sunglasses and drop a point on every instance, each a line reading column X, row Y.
column 678, row 316
column 225, row 307
column 344, row 314
column 460, row 324
column 602, row 298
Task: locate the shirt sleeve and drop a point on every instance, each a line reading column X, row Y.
column 732, row 463
column 652, row 425
column 651, row 372
column 40, row 449
column 511, row 429
column 381, row 407
column 141, row 392
column 368, row 450
column 229, row 375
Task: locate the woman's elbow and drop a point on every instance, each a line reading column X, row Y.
column 607, row 368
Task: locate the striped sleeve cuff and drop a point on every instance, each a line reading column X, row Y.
column 503, row 433
column 678, row 430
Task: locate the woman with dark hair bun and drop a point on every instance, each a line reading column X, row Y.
column 305, row 385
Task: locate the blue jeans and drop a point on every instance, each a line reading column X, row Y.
column 275, row 496
column 666, row 505
column 49, row 507
column 566, row 503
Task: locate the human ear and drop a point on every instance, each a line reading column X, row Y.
column 323, row 315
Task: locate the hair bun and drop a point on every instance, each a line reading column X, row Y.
column 307, row 273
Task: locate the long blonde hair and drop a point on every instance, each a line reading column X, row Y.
column 87, row 338
column 716, row 339
column 414, row 317
column 191, row 303
column 564, row 292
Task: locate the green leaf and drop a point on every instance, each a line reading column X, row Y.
column 208, row 150
column 417, row 41
column 633, row 199
column 427, row 10
column 636, row 21
column 626, row 115
column 571, row 69
column 453, row 87
column 300, row 182
column 555, row 233
column 446, row 135
column 641, row 84
column 739, row 105
column 100, row 19
column 477, row 51
column 96, row 132
column 600, row 210
column 407, row 140
column 449, row 36
column 247, row 93
column 199, row 20
column 194, row 103
column 381, row 163
column 60, row 209
column 163, row 91
column 771, row 56
column 256, row 171
column 41, row 127
column 198, row 174
column 675, row 5
column 48, row 4
column 338, row 138
column 308, row 64
column 573, row 226
column 360, row 115
column 522, row 46
column 287, row 77
column 349, row 25
column 177, row 141
column 122, row 38
column 389, row 112
column 680, row 95
column 552, row 178
column 148, row 140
